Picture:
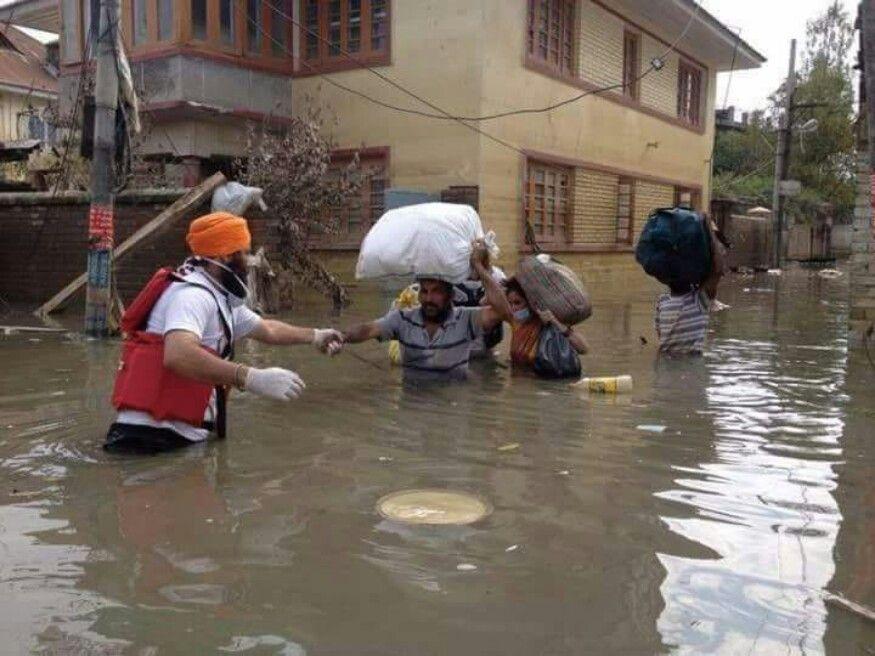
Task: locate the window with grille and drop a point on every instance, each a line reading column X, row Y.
column 332, row 28
column 631, row 65
column 625, row 196
column 547, row 204
column 550, row 34
column 689, row 94
column 151, row 20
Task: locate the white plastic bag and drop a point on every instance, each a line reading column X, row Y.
column 236, row 198
column 430, row 240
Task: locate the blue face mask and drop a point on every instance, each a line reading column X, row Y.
column 521, row 316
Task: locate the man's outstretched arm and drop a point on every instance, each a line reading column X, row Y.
column 362, row 333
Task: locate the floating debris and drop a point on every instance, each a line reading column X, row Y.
column 651, row 428
column 385, row 459
column 431, row 506
column 466, row 567
column 830, row 274
column 512, row 547
column 510, row 446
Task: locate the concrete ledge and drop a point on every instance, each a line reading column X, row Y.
column 127, row 197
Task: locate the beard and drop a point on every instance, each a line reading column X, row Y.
column 436, row 313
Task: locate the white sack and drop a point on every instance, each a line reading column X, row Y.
column 429, row 240
column 236, row 198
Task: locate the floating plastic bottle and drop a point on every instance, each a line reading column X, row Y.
column 606, row 385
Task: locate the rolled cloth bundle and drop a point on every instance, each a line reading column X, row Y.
column 551, row 286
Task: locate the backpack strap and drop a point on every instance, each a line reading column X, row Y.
column 221, row 423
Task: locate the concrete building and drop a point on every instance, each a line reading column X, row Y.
column 583, row 176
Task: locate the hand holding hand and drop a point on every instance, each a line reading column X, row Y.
column 274, row 383
column 328, row 340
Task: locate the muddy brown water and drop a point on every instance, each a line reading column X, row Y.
column 715, row 536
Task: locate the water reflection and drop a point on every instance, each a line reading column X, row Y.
column 762, row 502
column 713, row 536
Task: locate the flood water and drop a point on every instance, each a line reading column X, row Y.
column 717, row 535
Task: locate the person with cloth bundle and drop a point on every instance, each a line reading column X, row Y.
column 177, row 357
column 437, row 337
column 527, row 330
column 683, row 315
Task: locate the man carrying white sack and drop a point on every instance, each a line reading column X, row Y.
column 437, row 338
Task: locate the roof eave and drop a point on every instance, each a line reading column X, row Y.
column 746, row 56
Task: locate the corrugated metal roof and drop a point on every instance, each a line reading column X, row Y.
column 21, row 62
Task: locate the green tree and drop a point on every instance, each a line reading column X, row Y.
column 744, row 161
column 822, row 159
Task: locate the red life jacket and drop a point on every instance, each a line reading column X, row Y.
column 143, row 382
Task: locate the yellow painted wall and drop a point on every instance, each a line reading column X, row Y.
column 593, row 130
column 436, row 52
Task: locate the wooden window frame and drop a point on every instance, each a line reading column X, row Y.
column 625, row 233
column 695, row 197
column 689, row 96
column 632, row 69
column 328, row 63
column 618, row 97
column 345, row 239
column 151, row 42
column 567, row 27
column 183, row 32
column 560, row 220
column 638, row 177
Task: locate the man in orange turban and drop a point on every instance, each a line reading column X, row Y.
column 180, row 331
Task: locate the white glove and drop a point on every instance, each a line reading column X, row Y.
column 274, row 383
column 327, row 340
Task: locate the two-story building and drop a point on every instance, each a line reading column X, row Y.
column 585, row 175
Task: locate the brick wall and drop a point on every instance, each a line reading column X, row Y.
column 600, row 45
column 862, row 260
column 648, row 197
column 594, row 207
column 44, row 242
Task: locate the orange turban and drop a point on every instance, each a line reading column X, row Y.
column 218, row 234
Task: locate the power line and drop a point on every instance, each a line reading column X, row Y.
column 732, row 66
column 337, row 84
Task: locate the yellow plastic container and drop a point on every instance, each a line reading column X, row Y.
column 606, row 385
column 408, row 298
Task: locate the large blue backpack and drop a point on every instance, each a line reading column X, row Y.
column 674, row 247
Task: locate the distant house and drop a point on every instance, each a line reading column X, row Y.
column 28, row 83
column 726, row 119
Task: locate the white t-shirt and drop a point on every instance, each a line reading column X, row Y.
column 194, row 309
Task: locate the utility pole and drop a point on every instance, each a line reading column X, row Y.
column 101, row 214
column 782, row 158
